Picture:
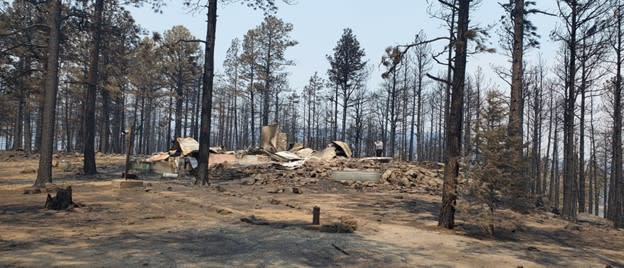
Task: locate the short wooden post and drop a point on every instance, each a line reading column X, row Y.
column 316, row 215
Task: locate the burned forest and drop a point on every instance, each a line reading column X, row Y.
column 263, row 133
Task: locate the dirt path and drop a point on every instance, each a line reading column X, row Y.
column 175, row 224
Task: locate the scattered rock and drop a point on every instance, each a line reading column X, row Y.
column 296, row 190
column 169, row 188
column 275, row 202
column 531, row 248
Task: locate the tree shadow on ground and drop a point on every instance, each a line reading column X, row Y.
column 238, row 245
column 548, row 246
column 428, row 210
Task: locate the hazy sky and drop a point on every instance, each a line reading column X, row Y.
column 318, row 25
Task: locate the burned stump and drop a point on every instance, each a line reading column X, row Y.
column 316, row 215
column 62, row 200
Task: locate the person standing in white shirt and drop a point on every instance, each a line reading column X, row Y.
column 378, row 148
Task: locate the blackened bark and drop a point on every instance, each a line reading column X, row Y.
column 535, row 151
column 267, row 83
column 207, row 83
column 393, row 115
column 449, row 83
column 117, row 123
column 616, row 194
column 46, row 149
column 335, row 130
column 581, row 166
column 27, row 128
column 105, row 132
column 514, row 129
column 454, row 128
column 570, row 193
column 18, row 133
column 178, row 104
column 62, row 200
column 415, row 96
column 92, row 79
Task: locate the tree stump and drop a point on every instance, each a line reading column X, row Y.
column 62, row 200
column 316, row 215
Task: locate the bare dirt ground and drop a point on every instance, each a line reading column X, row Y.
column 171, row 223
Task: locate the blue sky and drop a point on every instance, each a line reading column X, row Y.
column 318, row 25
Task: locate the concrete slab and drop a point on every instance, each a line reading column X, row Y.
column 214, row 159
column 359, row 175
column 251, row 160
column 378, row 159
column 125, row 184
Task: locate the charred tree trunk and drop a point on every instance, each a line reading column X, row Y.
column 18, row 133
column 592, row 162
column 179, row 99
column 555, row 184
column 61, row 201
column 570, row 194
column 393, row 114
column 535, row 159
column 207, row 84
column 105, row 136
column 117, row 123
column 415, row 99
column 89, row 146
column 46, row 149
column 27, row 127
column 514, row 129
column 454, row 128
column 616, row 193
column 449, row 82
column 581, row 166
column 267, row 83
column 253, row 118
column 67, row 122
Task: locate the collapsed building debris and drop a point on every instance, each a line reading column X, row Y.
column 272, row 139
column 272, row 164
column 342, row 149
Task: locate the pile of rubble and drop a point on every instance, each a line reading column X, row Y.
column 411, row 175
column 273, row 163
